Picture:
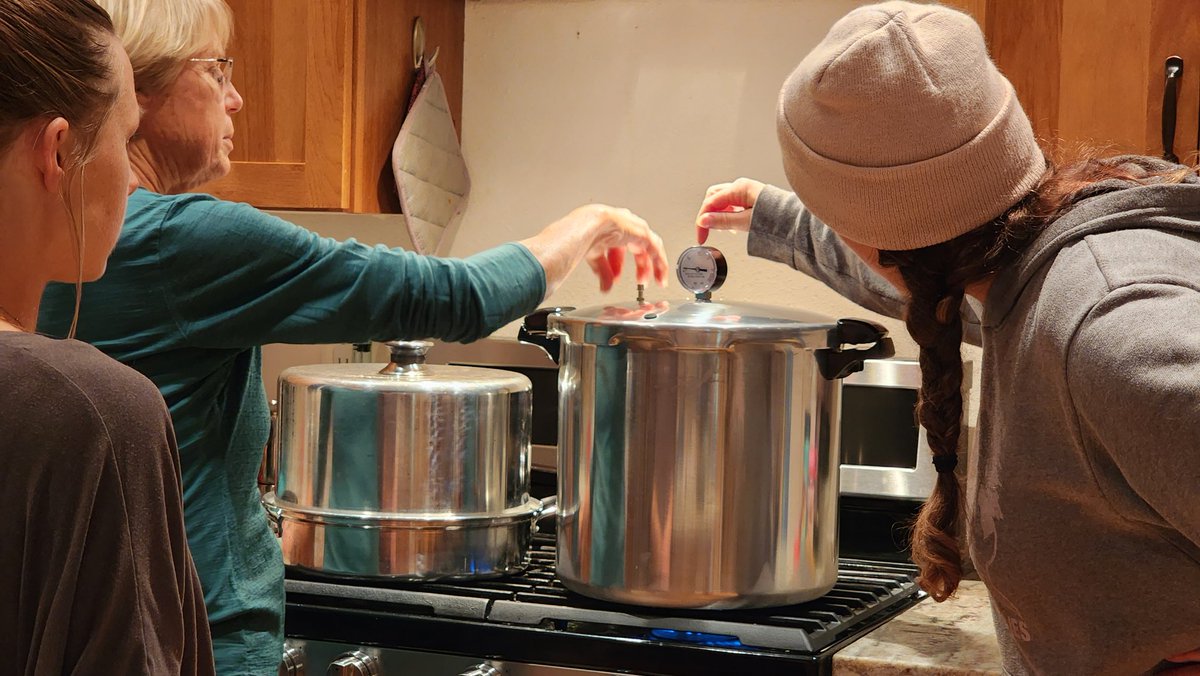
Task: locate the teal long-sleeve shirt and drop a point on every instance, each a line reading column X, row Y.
column 192, row 290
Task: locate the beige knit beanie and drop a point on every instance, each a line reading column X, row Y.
column 899, row 132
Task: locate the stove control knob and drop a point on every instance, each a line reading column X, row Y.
column 482, row 670
column 357, row 663
column 292, row 662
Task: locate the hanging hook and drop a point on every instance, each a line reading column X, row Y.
column 418, row 43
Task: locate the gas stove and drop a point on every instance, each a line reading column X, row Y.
column 531, row 624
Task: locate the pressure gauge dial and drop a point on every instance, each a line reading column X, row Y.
column 701, row 269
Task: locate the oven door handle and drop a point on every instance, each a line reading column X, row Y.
column 268, row 469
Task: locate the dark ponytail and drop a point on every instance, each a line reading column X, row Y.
column 937, row 278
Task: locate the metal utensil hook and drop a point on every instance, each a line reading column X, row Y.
column 419, row 45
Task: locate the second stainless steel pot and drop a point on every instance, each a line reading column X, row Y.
column 412, row 471
column 698, row 450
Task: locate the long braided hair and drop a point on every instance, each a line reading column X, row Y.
column 937, row 278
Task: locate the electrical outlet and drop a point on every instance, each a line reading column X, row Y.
column 341, row 353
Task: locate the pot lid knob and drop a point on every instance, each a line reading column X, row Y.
column 406, row 353
column 701, row 270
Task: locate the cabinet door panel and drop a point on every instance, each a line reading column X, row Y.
column 1174, row 31
column 1104, row 76
column 384, row 80
column 293, row 71
column 1112, row 75
column 1090, row 73
column 1024, row 38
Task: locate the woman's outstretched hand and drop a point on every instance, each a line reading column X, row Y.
column 602, row 235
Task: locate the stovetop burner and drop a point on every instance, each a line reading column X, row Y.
column 531, row 617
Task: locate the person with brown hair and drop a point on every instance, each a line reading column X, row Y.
column 921, row 192
column 95, row 574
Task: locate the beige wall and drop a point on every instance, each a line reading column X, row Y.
column 638, row 103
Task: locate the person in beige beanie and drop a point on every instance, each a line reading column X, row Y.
column 918, row 184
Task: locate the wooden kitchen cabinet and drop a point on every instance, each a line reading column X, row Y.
column 326, row 84
column 1090, row 73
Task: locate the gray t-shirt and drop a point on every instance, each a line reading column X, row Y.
column 1083, row 506
column 95, row 574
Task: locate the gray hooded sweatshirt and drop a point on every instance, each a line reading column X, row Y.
column 1083, row 506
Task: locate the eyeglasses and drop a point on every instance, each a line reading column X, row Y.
column 224, row 68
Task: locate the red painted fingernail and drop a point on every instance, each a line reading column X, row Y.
column 616, row 260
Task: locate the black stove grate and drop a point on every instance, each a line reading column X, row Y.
column 537, row 598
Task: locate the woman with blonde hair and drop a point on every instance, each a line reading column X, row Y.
column 919, row 190
column 198, row 284
column 95, row 575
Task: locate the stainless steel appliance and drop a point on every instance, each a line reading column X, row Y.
column 698, row 457
column 411, row 470
column 885, row 453
column 531, row 625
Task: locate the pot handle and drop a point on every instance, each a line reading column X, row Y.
column 548, row 509
column 535, row 330
column 838, row 361
column 274, row 513
column 407, row 356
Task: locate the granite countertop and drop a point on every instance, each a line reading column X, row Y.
column 942, row 639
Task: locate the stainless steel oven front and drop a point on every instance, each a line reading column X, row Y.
column 885, row 453
column 306, row 657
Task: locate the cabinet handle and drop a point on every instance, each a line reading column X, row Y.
column 1174, row 72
